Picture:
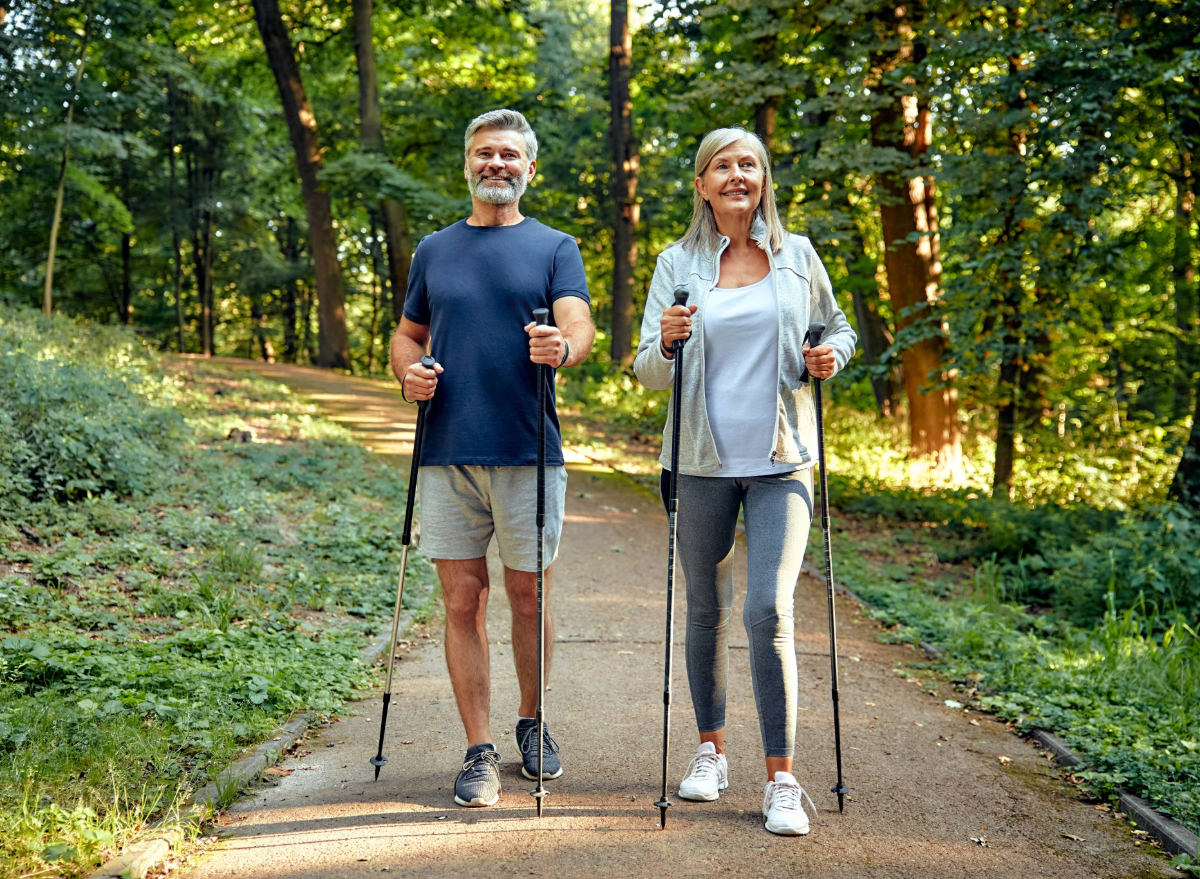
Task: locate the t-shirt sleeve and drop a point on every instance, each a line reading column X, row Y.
column 416, row 299
column 569, row 277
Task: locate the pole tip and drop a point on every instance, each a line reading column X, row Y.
column 377, row 761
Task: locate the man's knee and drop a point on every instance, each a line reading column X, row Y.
column 463, row 594
column 522, row 594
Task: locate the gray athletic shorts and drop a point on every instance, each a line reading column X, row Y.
column 462, row 506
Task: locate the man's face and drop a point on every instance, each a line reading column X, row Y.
column 497, row 169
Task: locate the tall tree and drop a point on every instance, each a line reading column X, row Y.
column 173, row 209
column 626, row 165
column 902, row 125
column 333, row 342
column 395, row 220
column 47, row 300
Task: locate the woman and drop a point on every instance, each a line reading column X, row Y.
column 747, row 440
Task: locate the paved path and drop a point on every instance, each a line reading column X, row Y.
column 925, row 780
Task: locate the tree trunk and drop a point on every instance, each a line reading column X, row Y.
column 47, row 298
column 173, row 207
column 1183, row 269
column 377, row 289
column 766, row 111
column 332, row 338
column 258, row 321
column 126, row 310
column 873, row 335
column 395, row 219
column 289, row 246
column 307, row 323
column 201, row 173
column 626, row 164
column 908, row 215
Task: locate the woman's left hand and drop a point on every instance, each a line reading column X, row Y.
column 819, row 360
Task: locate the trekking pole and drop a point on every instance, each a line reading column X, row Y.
column 541, row 317
column 681, row 298
column 815, row 331
column 378, row 760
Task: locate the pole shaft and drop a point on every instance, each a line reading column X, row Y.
column 540, row 792
column 405, row 541
column 673, row 517
column 833, row 657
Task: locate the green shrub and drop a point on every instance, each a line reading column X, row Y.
column 70, row 429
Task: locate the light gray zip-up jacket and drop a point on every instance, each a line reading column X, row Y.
column 803, row 294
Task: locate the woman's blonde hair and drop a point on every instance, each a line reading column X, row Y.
column 702, row 234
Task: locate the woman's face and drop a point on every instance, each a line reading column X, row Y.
column 733, row 182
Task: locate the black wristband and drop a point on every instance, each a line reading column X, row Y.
column 566, row 354
column 668, row 353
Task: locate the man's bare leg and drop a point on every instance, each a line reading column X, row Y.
column 521, row 587
column 465, row 593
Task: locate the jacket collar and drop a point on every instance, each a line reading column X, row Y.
column 758, row 233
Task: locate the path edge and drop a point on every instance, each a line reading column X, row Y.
column 139, row 858
column 1175, row 838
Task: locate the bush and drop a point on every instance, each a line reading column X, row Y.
column 68, row 428
column 78, row 429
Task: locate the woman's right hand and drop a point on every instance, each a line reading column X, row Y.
column 676, row 323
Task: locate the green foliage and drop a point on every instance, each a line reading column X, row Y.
column 1124, row 694
column 144, row 641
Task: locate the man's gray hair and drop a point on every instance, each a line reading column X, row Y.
column 504, row 120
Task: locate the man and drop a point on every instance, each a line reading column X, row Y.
column 472, row 290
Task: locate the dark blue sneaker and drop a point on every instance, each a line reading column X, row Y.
column 478, row 784
column 528, row 745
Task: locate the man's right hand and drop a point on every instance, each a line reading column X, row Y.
column 420, row 382
column 676, row 323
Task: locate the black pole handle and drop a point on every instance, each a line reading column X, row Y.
column 816, row 330
column 681, row 298
column 427, row 361
column 541, row 316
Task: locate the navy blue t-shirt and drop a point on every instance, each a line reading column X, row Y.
column 476, row 287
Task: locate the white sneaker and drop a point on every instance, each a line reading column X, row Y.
column 707, row 775
column 782, row 806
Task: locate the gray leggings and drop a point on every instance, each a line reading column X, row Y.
column 778, row 513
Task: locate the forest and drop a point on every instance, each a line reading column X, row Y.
column 1004, row 194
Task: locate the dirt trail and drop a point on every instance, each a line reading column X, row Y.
column 924, row 780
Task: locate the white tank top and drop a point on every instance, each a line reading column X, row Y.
column 741, row 377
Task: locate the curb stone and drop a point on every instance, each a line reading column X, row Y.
column 1175, row 838
column 143, row 856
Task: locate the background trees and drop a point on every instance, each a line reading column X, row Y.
column 1004, row 194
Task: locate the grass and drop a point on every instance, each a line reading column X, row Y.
column 1124, row 694
column 148, row 637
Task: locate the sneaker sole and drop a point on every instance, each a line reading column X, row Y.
column 477, row 803
column 532, row 776
column 785, row 831
column 699, row 799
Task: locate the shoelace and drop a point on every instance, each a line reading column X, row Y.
column 703, row 766
column 789, row 797
column 529, row 739
column 472, row 766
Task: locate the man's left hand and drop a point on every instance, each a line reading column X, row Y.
column 819, row 360
column 546, row 344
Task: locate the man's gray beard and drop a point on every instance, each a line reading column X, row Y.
column 512, row 190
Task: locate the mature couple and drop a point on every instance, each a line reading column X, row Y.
column 748, row 435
